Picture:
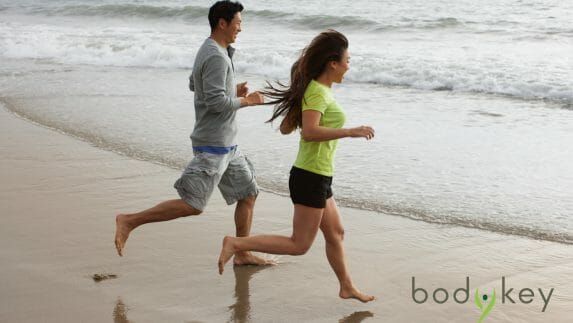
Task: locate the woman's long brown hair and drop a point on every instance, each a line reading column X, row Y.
column 328, row 46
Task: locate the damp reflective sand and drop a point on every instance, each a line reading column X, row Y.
column 58, row 199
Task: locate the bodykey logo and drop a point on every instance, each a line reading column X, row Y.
column 484, row 302
column 482, row 306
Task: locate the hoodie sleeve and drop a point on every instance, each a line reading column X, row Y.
column 214, row 85
column 191, row 83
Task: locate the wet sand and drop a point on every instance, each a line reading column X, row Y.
column 59, row 197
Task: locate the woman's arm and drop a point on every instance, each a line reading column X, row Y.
column 312, row 131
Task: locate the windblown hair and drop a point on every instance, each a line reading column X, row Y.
column 328, row 46
column 223, row 9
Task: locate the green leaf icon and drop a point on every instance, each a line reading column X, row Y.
column 480, row 305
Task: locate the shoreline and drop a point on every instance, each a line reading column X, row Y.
column 493, row 228
column 60, row 196
column 511, row 191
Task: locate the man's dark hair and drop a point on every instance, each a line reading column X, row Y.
column 223, row 9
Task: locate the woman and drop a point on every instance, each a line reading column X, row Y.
column 308, row 104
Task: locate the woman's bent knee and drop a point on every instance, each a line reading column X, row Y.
column 300, row 250
column 336, row 235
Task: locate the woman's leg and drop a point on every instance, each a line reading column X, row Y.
column 306, row 221
column 331, row 226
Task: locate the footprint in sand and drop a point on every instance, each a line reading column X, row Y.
column 99, row 277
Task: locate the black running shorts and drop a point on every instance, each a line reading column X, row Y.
column 308, row 188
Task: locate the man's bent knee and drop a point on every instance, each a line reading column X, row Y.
column 189, row 209
column 248, row 201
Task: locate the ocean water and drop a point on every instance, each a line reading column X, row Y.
column 472, row 101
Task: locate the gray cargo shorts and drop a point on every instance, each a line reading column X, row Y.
column 233, row 173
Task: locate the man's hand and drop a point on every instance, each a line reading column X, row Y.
column 254, row 98
column 242, row 89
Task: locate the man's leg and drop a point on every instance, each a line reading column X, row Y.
column 164, row 211
column 239, row 179
column 243, row 220
column 244, row 216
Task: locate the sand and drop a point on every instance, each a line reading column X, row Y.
column 59, row 197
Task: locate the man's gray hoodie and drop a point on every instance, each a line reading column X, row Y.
column 216, row 102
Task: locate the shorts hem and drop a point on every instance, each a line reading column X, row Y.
column 191, row 200
column 309, row 204
column 235, row 198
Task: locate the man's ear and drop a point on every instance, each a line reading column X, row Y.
column 222, row 24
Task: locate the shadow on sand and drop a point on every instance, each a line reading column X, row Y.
column 356, row 317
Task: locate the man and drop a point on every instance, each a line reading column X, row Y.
column 217, row 160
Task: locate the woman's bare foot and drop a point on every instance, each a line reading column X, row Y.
column 227, row 251
column 247, row 258
column 122, row 230
column 352, row 292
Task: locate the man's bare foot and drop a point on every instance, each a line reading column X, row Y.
column 122, row 230
column 352, row 292
column 247, row 258
column 227, row 251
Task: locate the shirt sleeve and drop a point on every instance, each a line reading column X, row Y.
column 214, row 85
column 314, row 101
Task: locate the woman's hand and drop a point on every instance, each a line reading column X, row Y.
column 362, row 131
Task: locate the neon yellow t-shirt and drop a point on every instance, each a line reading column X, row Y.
column 318, row 156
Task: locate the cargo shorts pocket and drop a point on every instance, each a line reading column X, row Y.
column 198, row 181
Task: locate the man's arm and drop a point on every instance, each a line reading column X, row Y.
column 214, row 86
column 191, row 83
